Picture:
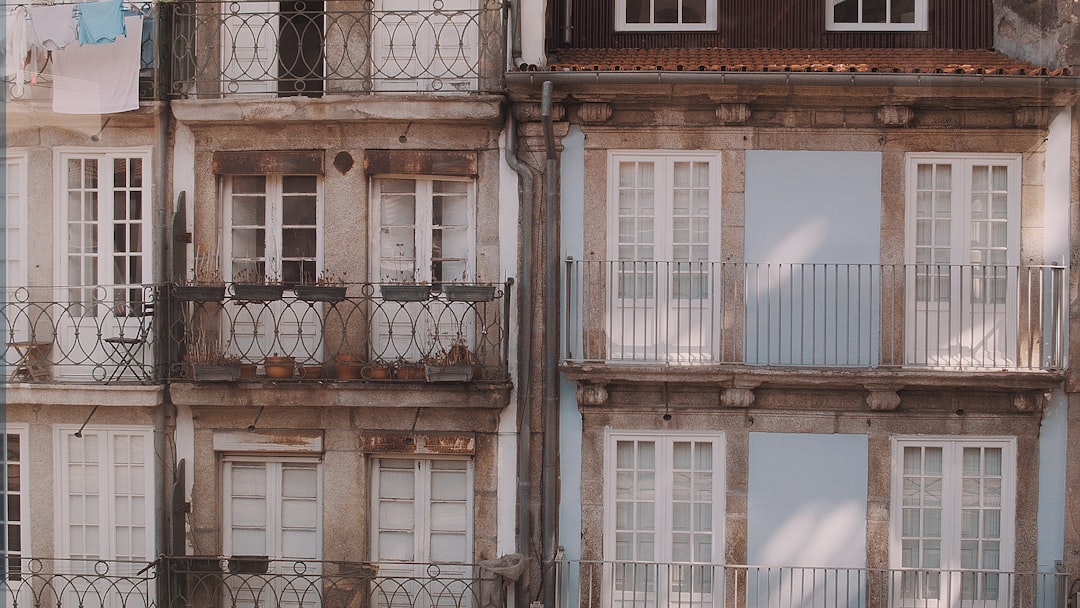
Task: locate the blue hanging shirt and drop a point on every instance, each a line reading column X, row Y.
column 101, row 22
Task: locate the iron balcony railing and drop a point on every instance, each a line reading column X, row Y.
column 185, row 582
column 619, row 584
column 384, row 330
column 79, row 583
column 80, row 334
column 32, row 78
column 817, row 315
column 156, row 332
column 311, row 47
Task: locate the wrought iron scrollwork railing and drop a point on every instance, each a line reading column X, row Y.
column 372, row 329
column 151, row 333
column 186, row 581
column 309, row 47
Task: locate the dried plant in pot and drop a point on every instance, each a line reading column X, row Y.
column 253, row 286
column 208, row 361
column 457, row 363
column 205, row 284
column 327, row 287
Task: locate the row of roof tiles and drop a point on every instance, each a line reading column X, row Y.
column 911, row 61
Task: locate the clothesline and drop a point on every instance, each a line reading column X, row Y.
column 95, row 49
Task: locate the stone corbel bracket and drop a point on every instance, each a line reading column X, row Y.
column 882, row 398
column 733, row 113
column 740, row 394
column 1032, row 116
column 1030, row 401
column 530, row 112
column 592, row 394
column 895, row 116
column 594, row 113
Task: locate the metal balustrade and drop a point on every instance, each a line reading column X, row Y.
column 106, row 334
column 937, row 316
column 79, row 583
column 623, row 584
column 312, row 48
column 232, row 582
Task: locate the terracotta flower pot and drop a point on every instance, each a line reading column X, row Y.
column 280, row 367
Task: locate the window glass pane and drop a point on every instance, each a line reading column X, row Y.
column 693, row 11
column 903, row 11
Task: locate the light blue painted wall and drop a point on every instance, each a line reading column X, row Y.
column 813, row 206
column 1053, row 436
column 813, row 225
column 573, row 244
column 806, row 500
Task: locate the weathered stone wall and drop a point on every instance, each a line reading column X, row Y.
column 1044, row 32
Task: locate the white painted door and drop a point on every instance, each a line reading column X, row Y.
column 249, row 43
column 426, row 235
column 422, row 533
column 274, row 509
column 105, row 236
column 664, row 229
column 965, row 249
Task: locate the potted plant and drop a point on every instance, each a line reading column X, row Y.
column 279, row 367
column 454, row 364
column 348, row 366
column 205, row 284
column 208, row 361
column 405, row 370
column 327, row 287
column 250, row 285
column 404, row 287
column 469, row 292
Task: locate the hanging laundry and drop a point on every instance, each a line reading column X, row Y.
column 100, row 22
column 15, row 46
column 99, row 78
column 52, row 27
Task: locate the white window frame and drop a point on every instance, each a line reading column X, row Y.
column 17, row 221
column 622, row 25
column 23, row 523
column 662, row 527
column 420, row 268
column 952, row 474
column 920, row 24
column 422, row 506
column 659, row 322
column 958, row 318
column 272, row 257
column 105, row 219
column 274, row 466
column 107, row 489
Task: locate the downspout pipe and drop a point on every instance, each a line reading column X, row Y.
column 514, row 33
column 524, row 346
column 550, row 361
column 161, row 277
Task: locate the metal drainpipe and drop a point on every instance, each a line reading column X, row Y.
column 161, row 276
column 524, row 350
column 568, row 28
column 550, row 361
column 514, row 31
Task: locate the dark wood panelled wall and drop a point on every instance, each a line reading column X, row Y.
column 953, row 24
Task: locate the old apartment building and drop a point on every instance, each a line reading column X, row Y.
column 470, row 303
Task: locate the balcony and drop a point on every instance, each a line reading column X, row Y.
column 311, row 48
column 36, row 82
column 157, row 333
column 595, row 584
column 215, row 581
column 845, row 316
